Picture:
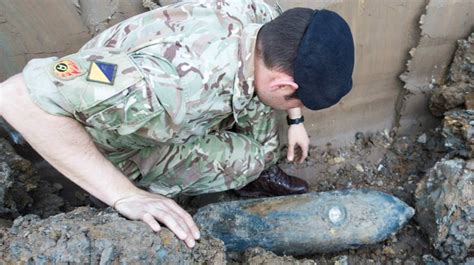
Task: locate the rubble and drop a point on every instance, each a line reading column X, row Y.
column 445, row 208
column 445, row 196
column 458, row 130
column 460, row 81
column 430, row 260
column 13, row 167
column 90, row 236
column 263, row 257
column 84, row 235
column 19, row 185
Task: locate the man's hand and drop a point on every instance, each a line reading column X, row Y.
column 150, row 207
column 297, row 136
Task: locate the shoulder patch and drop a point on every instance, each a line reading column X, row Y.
column 101, row 72
column 67, row 69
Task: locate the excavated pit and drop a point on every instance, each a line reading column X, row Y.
column 40, row 221
column 380, row 161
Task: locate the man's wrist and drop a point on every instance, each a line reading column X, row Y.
column 126, row 194
column 295, row 121
column 294, row 113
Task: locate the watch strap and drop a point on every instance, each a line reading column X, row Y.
column 294, row 121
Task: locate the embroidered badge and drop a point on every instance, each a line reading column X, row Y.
column 101, row 72
column 67, row 69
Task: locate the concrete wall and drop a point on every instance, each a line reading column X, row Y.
column 384, row 32
column 30, row 29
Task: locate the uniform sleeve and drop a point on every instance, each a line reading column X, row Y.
column 255, row 11
column 42, row 89
column 258, row 121
column 101, row 88
column 261, row 11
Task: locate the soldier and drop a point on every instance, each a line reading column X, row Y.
column 181, row 100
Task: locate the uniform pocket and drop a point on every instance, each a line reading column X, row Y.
column 128, row 110
column 124, row 104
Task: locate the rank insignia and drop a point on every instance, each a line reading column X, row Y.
column 101, row 72
column 67, row 69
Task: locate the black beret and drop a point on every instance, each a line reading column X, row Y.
column 325, row 60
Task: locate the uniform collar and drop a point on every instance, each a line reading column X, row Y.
column 244, row 81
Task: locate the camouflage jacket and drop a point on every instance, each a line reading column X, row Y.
column 182, row 71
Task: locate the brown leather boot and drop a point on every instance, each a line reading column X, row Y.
column 274, row 182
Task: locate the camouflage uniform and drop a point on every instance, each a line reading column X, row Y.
column 184, row 79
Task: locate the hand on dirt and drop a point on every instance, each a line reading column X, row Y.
column 297, row 136
column 151, row 208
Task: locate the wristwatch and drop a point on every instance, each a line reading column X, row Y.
column 294, row 121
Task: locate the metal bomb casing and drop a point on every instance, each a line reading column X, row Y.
column 305, row 224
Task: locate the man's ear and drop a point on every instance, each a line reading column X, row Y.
column 280, row 83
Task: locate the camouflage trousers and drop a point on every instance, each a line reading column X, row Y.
column 215, row 162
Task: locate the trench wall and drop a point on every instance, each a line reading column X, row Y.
column 387, row 34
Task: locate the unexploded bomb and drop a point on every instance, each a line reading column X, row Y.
column 305, row 224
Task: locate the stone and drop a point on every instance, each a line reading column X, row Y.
column 458, row 131
column 359, row 168
column 90, row 236
column 445, row 209
column 422, row 139
column 341, row 260
column 470, row 101
column 262, row 257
